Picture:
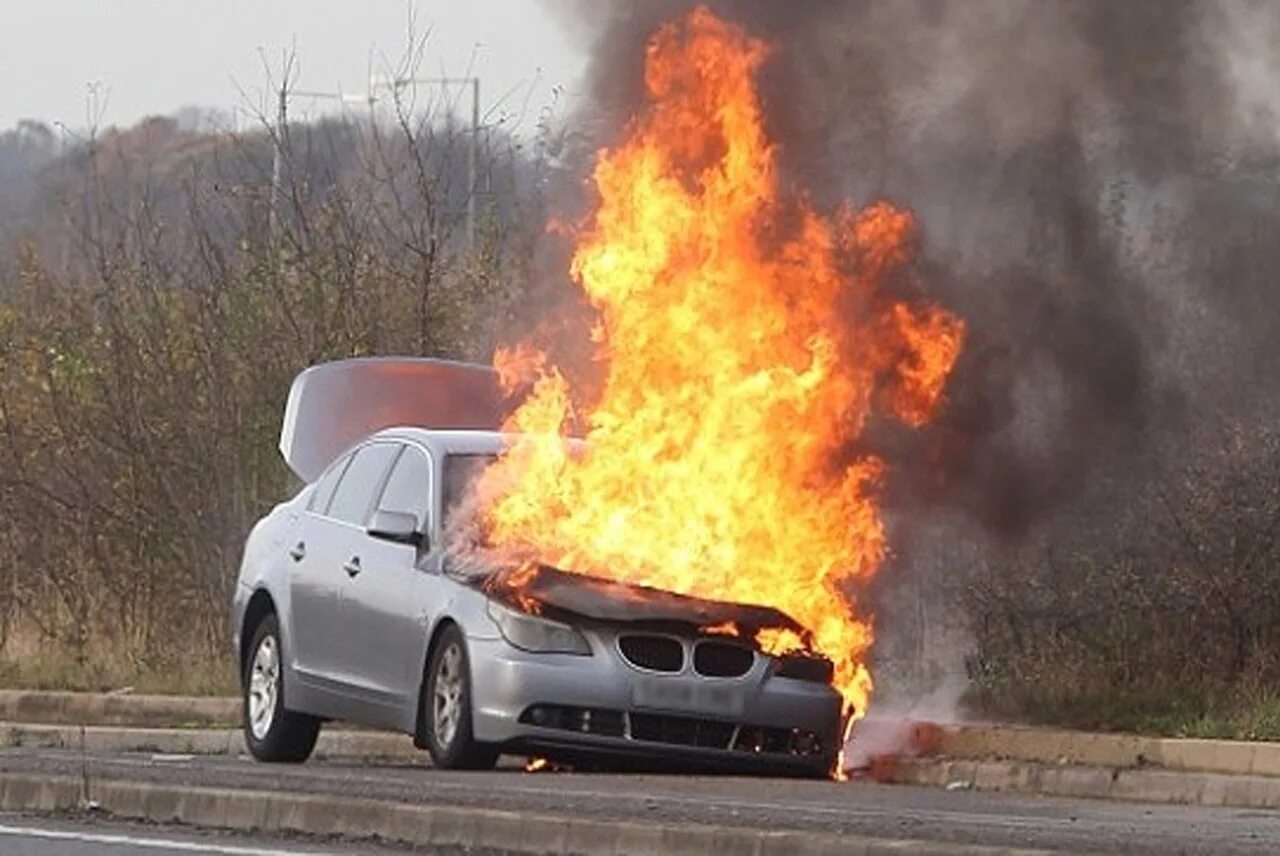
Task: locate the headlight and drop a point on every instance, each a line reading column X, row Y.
column 539, row 635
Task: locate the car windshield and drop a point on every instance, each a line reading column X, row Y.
column 462, row 532
column 468, row 551
column 460, row 473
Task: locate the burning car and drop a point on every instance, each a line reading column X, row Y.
column 741, row 339
column 351, row 605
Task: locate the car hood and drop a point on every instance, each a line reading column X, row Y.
column 548, row 591
column 332, row 406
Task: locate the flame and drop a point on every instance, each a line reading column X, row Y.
column 724, row 628
column 511, row 584
column 745, row 339
column 779, row 641
column 518, row 366
column 536, row 765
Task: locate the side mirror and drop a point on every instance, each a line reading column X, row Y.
column 398, row 526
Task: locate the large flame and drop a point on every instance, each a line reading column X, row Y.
column 744, row 341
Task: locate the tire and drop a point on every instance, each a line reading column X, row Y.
column 272, row 733
column 446, row 708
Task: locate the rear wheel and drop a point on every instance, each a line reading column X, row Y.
column 272, row 732
column 446, row 711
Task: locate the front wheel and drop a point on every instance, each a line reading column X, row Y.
column 272, row 733
column 446, row 711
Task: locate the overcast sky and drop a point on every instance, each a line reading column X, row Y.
column 155, row 56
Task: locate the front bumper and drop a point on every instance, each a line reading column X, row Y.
column 583, row 709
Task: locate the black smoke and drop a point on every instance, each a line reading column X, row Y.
column 1096, row 187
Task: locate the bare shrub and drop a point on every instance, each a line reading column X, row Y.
column 1184, row 618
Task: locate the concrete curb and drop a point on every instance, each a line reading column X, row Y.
column 190, row 741
column 104, row 709
column 1053, row 746
column 964, row 742
column 1096, row 782
column 1135, row 785
column 443, row 826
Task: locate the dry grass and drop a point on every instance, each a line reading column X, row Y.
column 1224, row 713
column 104, row 674
column 30, row 662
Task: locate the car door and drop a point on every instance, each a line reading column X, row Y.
column 389, row 605
column 314, row 595
column 329, row 542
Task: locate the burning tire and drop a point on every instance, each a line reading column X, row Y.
column 272, row 732
column 446, row 708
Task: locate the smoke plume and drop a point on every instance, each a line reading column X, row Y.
column 1093, row 183
column 1096, row 187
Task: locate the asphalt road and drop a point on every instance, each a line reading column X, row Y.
column 892, row 811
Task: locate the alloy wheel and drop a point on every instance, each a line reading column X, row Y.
column 264, row 687
column 447, row 699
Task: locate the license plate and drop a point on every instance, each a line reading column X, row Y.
column 685, row 695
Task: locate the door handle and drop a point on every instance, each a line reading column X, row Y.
column 299, row 551
column 353, row 567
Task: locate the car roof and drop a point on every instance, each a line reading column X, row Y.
column 450, row 441
column 463, row 441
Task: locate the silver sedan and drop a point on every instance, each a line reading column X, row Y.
column 348, row 607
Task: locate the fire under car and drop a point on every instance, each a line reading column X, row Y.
column 349, row 607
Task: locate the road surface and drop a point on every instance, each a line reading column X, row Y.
column 886, row 811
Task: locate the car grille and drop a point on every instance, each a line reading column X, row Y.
column 681, row 730
column 722, row 660
column 675, row 730
column 655, row 653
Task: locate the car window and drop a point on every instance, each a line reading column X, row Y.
column 460, row 473
column 409, row 488
column 354, row 497
column 319, row 502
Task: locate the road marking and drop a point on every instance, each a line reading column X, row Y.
column 153, row 843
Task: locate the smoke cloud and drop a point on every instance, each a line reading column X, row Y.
column 1096, row 185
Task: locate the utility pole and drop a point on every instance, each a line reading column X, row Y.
column 279, row 154
column 277, row 160
column 473, row 165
